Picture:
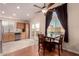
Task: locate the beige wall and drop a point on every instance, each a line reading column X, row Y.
column 39, row 18
column 73, row 24
column 0, row 30
column 0, row 36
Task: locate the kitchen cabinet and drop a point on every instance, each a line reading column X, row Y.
column 20, row 25
column 9, row 36
column 23, row 35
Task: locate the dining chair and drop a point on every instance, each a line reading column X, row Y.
column 58, row 41
column 41, row 44
column 49, row 44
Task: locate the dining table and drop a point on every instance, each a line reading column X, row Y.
column 49, row 42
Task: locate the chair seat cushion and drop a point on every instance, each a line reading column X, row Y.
column 57, row 41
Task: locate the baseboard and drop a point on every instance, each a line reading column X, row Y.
column 71, row 51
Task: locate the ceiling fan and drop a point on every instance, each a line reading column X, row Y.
column 43, row 9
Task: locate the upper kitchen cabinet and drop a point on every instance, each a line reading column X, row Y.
column 20, row 25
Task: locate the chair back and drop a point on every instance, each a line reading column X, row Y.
column 41, row 37
column 61, row 38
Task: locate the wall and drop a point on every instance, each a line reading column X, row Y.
column 39, row 18
column 0, row 36
column 73, row 24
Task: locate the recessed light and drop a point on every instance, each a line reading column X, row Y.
column 14, row 14
column 4, row 3
column 3, row 12
column 18, row 7
column 27, row 14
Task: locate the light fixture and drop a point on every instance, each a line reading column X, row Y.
column 4, row 3
column 27, row 14
column 3, row 12
column 44, row 10
column 18, row 7
column 14, row 14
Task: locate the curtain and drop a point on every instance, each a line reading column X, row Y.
column 48, row 20
column 62, row 15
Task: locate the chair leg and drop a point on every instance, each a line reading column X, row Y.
column 59, row 50
column 43, row 51
column 38, row 47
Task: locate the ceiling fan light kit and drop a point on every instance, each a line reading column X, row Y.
column 44, row 9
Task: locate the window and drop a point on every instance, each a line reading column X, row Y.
column 8, row 26
column 37, row 26
column 55, row 26
column 33, row 26
column 35, row 29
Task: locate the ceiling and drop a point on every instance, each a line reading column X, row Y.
column 22, row 11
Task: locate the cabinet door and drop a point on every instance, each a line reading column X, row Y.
column 23, row 35
column 9, row 36
column 20, row 25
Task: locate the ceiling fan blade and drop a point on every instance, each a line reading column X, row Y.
column 50, row 5
column 55, row 5
column 37, row 6
column 38, row 11
column 44, row 5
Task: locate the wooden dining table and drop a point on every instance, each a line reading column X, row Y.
column 49, row 42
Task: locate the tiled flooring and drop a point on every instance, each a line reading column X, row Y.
column 33, row 51
column 9, row 47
